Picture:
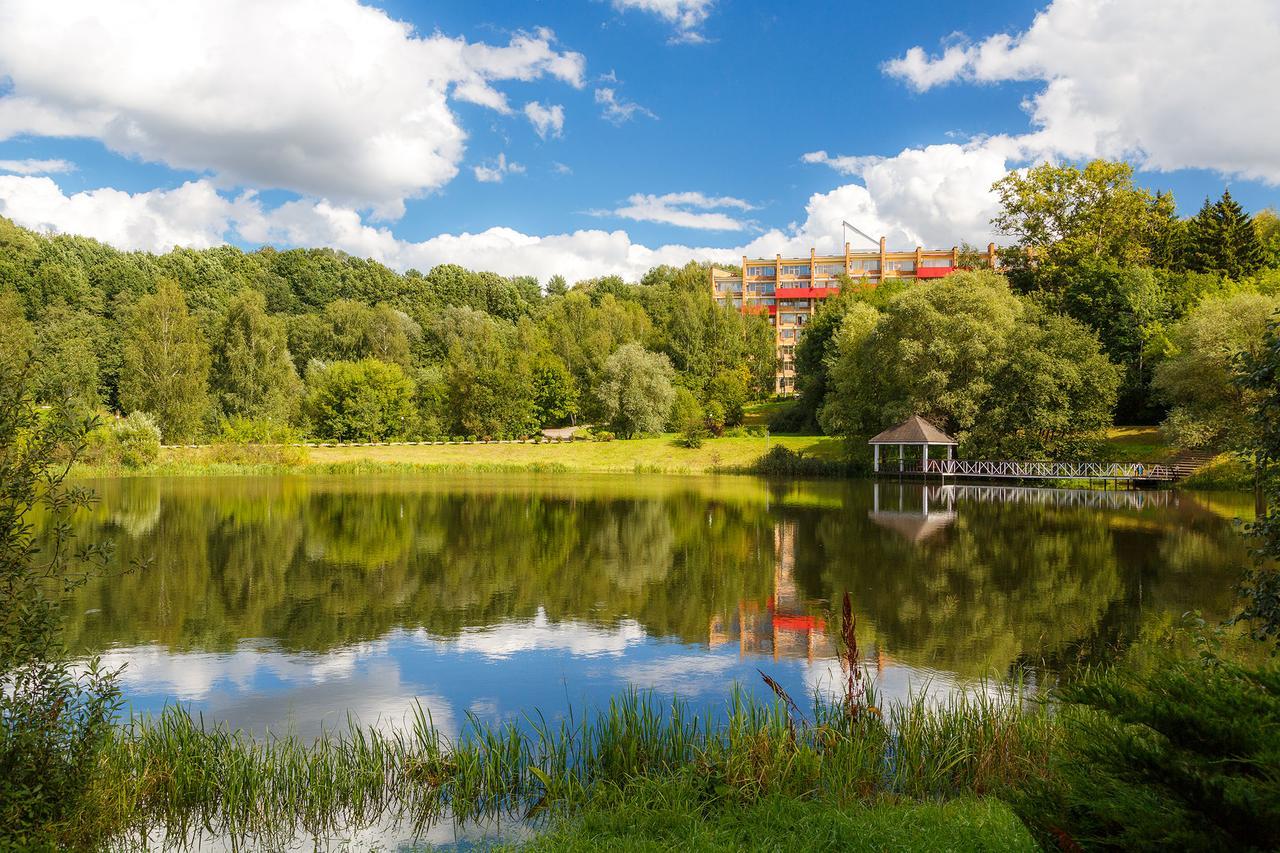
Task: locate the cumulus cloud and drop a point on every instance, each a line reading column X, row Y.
column 1172, row 90
column 618, row 109
column 494, row 171
column 36, row 167
column 547, row 121
column 687, row 16
column 685, row 210
column 196, row 214
column 352, row 105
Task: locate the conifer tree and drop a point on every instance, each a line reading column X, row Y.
column 1204, row 240
column 1242, row 252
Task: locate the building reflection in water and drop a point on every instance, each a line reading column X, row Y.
column 785, row 626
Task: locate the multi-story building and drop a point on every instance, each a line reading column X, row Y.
column 789, row 290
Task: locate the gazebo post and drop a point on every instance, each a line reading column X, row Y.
column 875, row 466
column 925, row 461
column 902, row 455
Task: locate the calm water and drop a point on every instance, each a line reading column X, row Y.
column 287, row 603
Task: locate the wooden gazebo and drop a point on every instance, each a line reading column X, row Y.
column 915, row 431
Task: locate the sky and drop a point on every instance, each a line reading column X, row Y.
column 594, row 137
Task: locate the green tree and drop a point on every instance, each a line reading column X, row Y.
column 1222, row 239
column 253, row 372
column 165, row 364
column 557, row 286
column 1267, row 224
column 1208, row 408
column 367, row 400
column 848, row 409
column 17, row 340
column 555, row 396
column 67, row 365
column 1052, row 398
column 1060, row 215
column 635, row 394
column 55, row 716
column 488, row 377
column 1258, row 376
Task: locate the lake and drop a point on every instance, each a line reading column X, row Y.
column 287, row 603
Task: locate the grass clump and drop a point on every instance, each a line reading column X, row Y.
column 683, row 813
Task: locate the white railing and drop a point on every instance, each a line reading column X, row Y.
column 1048, row 470
column 1089, row 498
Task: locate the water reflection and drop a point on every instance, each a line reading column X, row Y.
column 289, row 603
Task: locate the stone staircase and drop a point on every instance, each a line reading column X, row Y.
column 1186, row 462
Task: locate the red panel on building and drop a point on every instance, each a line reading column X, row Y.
column 806, row 292
column 934, row 272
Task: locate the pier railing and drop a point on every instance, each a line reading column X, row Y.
column 1003, row 469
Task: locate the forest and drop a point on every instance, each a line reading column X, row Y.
column 1107, row 308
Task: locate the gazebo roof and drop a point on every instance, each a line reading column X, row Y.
column 914, row 430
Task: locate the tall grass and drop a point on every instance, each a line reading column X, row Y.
column 175, row 775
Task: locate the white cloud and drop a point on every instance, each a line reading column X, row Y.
column 685, row 210
column 494, row 171
column 193, row 215
column 547, row 121
column 618, row 109
column 561, row 169
column 1178, row 88
column 328, row 98
column 687, row 16
column 36, row 167
column 197, row 215
column 577, row 638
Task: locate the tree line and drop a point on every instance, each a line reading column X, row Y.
column 1107, row 308
column 269, row 344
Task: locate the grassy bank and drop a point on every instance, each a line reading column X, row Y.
column 659, row 455
column 860, row 776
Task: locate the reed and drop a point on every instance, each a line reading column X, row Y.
column 176, row 776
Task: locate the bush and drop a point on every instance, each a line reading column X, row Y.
column 239, row 430
column 784, row 462
column 792, row 419
column 55, row 715
column 693, row 436
column 1176, row 753
column 133, row 442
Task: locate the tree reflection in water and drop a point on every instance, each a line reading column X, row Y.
column 964, row 581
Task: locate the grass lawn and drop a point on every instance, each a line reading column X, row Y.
column 651, row 817
column 646, row 455
column 1136, row 444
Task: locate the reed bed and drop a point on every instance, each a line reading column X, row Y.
column 177, row 776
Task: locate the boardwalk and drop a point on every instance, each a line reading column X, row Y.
column 1011, row 470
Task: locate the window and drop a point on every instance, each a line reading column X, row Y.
column 936, row 262
column 787, row 334
column 902, row 266
column 865, row 264
column 799, row 270
column 830, row 269
column 762, row 272
column 766, row 289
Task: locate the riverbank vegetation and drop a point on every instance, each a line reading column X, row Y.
column 1183, row 738
column 1107, row 309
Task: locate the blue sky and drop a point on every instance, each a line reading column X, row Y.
column 594, row 136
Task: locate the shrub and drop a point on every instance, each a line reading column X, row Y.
column 55, row 716
column 133, row 442
column 1177, row 754
column 782, row 461
column 240, row 430
column 792, row 419
column 693, row 435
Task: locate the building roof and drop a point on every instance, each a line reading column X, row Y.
column 914, row 430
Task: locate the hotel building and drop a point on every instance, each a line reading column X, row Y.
column 789, row 290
